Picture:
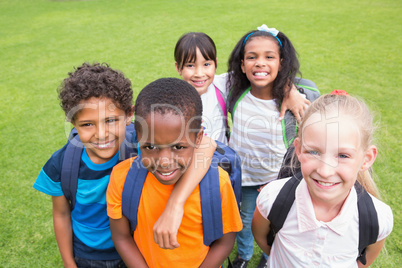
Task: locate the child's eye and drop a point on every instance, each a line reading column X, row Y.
column 312, row 152
column 207, row 64
column 178, row 147
column 112, row 120
column 86, row 125
column 189, row 65
column 149, row 147
column 344, row 156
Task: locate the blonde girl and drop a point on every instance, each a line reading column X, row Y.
column 335, row 149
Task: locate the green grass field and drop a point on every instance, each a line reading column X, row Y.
column 353, row 45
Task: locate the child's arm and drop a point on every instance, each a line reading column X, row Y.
column 125, row 244
column 63, row 229
column 166, row 227
column 294, row 102
column 372, row 253
column 260, row 228
column 219, row 251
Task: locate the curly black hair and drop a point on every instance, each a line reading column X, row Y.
column 238, row 82
column 95, row 80
column 169, row 95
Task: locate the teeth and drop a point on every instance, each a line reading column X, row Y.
column 199, row 82
column 326, row 183
column 261, row 74
column 166, row 174
column 104, row 145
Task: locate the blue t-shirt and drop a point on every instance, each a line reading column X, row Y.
column 90, row 222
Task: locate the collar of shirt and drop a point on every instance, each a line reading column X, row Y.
column 306, row 217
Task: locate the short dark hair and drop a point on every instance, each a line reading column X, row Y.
column 95, row 80
column 169, row 95
column 186, row 48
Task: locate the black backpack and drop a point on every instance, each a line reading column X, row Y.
column 368, row 220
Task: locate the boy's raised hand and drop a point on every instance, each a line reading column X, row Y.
column 295, row 102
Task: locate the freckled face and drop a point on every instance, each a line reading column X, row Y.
column 167, row 146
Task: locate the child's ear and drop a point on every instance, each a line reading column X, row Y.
column 199, row 136
column 369, row 157
column 297, row 145
column 242, row 66
column 177, row 68
column 129, row 118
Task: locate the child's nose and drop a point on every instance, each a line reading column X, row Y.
column 260, row 62
column 164, row 158
column 327, row 167
column 101, row 132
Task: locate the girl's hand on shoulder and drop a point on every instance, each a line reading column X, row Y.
column 296, row 103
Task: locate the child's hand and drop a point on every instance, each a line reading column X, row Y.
column 166, row 227
column 296, row 103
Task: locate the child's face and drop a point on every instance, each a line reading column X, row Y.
column 261, row 63
column 331, row 157
column 167, row 146
column 200, row 74
column 101, row 127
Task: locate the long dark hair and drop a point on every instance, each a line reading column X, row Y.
column 238, row 82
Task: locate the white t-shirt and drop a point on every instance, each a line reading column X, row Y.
column 214, row 121
column 304, row 241
column 258, row 139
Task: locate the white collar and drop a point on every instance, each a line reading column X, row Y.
column 306, row 217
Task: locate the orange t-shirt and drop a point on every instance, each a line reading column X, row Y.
column 154, row 197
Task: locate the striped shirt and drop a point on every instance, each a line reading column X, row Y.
column 257, row 138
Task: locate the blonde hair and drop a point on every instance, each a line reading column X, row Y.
column 357, row 110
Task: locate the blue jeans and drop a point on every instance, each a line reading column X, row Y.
column 84, row 263
column 245, row 237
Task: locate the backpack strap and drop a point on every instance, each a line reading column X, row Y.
column 368, row 221
column 233, row 109
column 230, row 161
column 222, row 104
column 289, row 122
column 281, row 206
column 211, row 206
column 132, row 191
column 72, row 159
column 70, row 169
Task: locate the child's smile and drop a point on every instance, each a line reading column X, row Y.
column 331, row 156
column 167, row 146
column 261, row 65
column 101, row 127
column 200, row 73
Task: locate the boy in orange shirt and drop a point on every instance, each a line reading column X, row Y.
column 168, row 124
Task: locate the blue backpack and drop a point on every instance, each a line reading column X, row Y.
column 211, row 208
column 72, row 158
column 368, row 220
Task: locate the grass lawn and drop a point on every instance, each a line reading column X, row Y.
column 353, row 45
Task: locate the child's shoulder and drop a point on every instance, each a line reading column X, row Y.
column 385, row 217
column 220, row 82
column 124, row 166
column 268, row 194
